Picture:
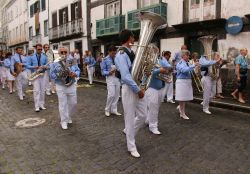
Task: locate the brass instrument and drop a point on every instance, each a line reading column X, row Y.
column 168, row 77
column 146, row 55
column 64, row 73
column 207, row 42
column 18, row 68
column 39, row 72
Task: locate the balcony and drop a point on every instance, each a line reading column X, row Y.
column 66, row 31
column 36, row 39
column 134, row 23
column 110, row 26
column 18, row 40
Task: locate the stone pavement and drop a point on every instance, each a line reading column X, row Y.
column 95, row 144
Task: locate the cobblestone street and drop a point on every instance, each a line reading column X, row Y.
column 218, row 144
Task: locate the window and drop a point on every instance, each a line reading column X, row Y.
column 54, row 19
column 113, row 9
column 76, row 11
column 30, row 33
column 31, row 10
column 46, row 28
column 195, row 2
column 36, row 7
column 63, row 16
column 145, row 3
column 43, row 5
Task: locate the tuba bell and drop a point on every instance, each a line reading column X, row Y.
column 207, row 42
column 146, row 55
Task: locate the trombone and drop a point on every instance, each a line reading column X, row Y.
column 197, row 81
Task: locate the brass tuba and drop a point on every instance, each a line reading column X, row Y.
column 146, row 55
column 207, row 42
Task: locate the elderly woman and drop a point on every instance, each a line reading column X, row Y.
column 9, row 76
column 184, row 89
column 241, row 67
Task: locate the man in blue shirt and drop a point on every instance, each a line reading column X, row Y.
column 241, row 69
column 66, row 92
column 134, row 104
column 207, row 82
column 22, row 77
column 38, row 63
column 154, row 95
column 90, row 61
column 113, row 83
column 168, row 91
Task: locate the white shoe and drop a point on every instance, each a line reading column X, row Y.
column 117, row 113
column 124, row 131
column 171, row 101
column 64, row 126
column 156, row 132
column 30, row 83
column 37, row 110
column 43, row 108
column 207, row 112
column 3, row 87
column 70, row 122
column 201, row 103
column 53, row 91
column 48, row 93
column 107, row 113
column 135, row 154
column 21, row 98
column 178, row 108
column 184, row 116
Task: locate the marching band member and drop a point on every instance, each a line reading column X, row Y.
column 184, row 89
column 38, row 62
column 132, row 96
column 113, row 83
column 177, row 56
column 66, row 94
column 30, row 54
column 49, row 84
column 207, row 82
column 90, row 61
column 10, row 77
column 154, row 96
column 168, row 89
column 241, row 74
column 22, row 77
column 2, row 70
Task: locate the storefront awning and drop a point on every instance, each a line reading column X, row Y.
column 199, row 25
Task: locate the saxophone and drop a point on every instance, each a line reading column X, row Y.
column 39, row 72
column 146, row 55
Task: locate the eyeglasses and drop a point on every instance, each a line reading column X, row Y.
column 46, row 47
column 39, row 49
column 63, row 52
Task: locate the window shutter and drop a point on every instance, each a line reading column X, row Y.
column 54, row 19
column 61, row 17
column 73, row 17
column 79, row 9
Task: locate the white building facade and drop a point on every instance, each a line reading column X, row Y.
column 67, row 24
column 38, row 22
column 17, row 19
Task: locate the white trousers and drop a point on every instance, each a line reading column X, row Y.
column 90, row 74
column 46, row 81
column 135, row 111
column 21, row 83
column 113, row 87
column 154, row 99
column 39, row 91
column 67, row 101
column 168, row 91
column 209, row 91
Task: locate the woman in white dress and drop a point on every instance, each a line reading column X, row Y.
column 184, row 89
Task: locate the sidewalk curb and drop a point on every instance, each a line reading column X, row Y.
column 197, row 100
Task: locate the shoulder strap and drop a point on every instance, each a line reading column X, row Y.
column 131, row 54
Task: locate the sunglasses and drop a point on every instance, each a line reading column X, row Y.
column 46, row 47
column 64, row 52
column 39, row 49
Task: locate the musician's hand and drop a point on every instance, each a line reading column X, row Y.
column 36, row 67
column 111, row 72
column 141, row 94
column 238, row 78
column 14, row 74
column 163, row 70
column 72, row 74
column 197, row 64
